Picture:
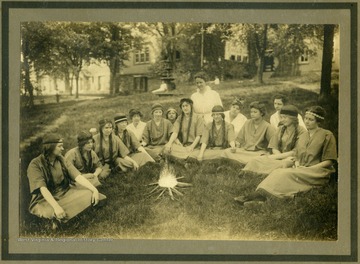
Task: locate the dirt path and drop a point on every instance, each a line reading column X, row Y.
column 315, row 87
column 41, row 132
column 52, row 127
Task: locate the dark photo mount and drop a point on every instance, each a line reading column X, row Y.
column 20, row 249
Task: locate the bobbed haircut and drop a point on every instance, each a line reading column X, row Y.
column 259, row 106
column 282, row 97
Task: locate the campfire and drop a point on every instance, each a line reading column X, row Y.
column 168, row 181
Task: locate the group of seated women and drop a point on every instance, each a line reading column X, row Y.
column 296, row 155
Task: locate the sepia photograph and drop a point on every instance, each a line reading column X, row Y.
column 174, row 126
column 176, row 131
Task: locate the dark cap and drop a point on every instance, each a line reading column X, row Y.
column 119, row 117
column 156, row 106
column 219, row 110
column 290, row 110
column 84, row 136
column 52, row 139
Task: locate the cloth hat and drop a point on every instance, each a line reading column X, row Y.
column 187, row 100
column 84, row 136
column 120, row 117
column 290, row 110
column 51, row 139
column 237, row 102
column 133, row 112
column 171, row 109
column 104, row 121
column 156, row 106
column 218, row 109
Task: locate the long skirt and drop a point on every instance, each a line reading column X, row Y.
column 73, row 202
column 155, row 151
column 290, row 181
column 241, row 155
column 179, row 151
column 209, row 154
column 141, row 158
column 264, row 165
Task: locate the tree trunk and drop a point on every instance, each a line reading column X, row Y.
column 262, row 54
column 114, row 72
column 67, row 82
column 328, row 46
column 27, row 83
column 77, row 73
column 252, row 54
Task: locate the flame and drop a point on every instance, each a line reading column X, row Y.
column 168, row 181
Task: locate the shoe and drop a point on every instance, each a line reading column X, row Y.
column 240, row 199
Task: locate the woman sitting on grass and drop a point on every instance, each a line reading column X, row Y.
column 187, row 131
column 157, row 132
column 254, row 136
column 113, row 154
column 83, row 160
column 282, row 144
column 204, row 98
column 171, row 115
column 57, row 194
column 216, row 137
column 315, row 155
column 137, row 152
column 137, row 126
column 235, row 117
column 279, row 101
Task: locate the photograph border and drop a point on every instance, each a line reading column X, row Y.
column 7, row 6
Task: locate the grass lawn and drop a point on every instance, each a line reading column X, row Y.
column 206, row 210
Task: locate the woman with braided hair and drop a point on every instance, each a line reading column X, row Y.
column 112, row 152
column 83, row 159
column 217, row 136
column 137, row 152
column 315, row 155
column 253, row 138
column 187, row 131
column 282, row 144
column 57, row 194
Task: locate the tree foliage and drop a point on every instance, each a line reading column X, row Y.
column 61, row 49
column 255, row 38
column 112, row 42
column 290, row 41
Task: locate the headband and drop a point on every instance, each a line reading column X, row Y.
column 314, row 114
column 120, row 119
